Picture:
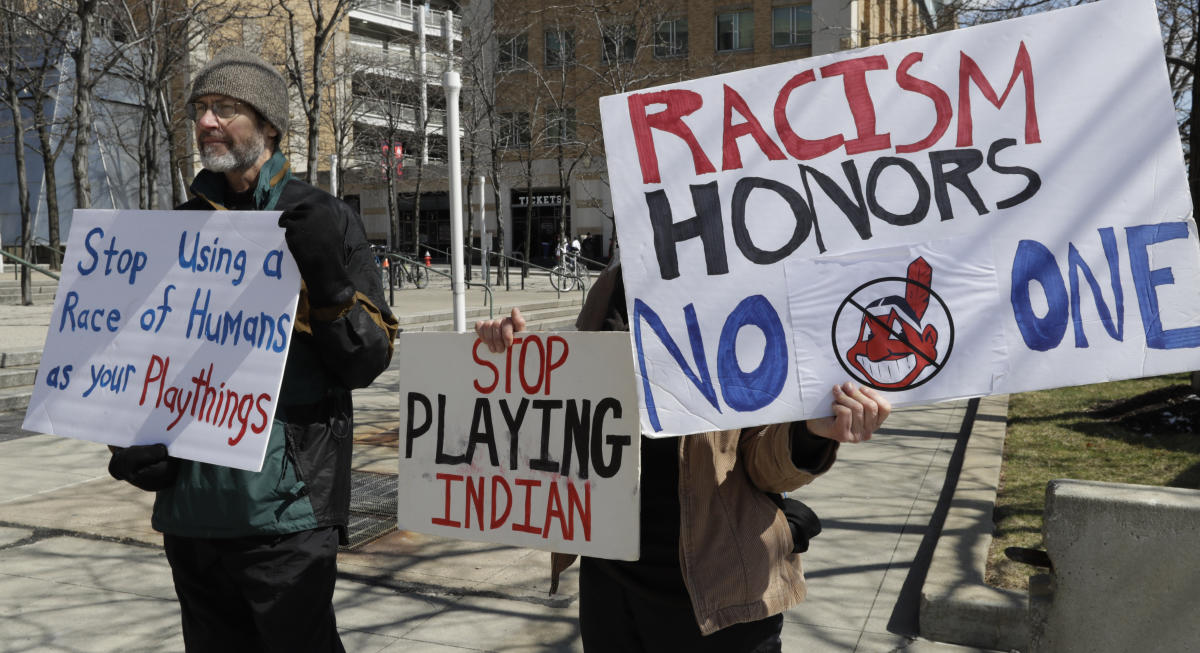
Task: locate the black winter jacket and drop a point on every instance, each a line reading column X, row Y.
column 305, row 479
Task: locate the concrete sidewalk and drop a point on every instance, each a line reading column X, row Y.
column 81, row 570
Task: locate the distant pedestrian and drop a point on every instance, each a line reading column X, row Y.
column 254, row 555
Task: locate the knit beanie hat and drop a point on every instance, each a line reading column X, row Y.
column 245, row 76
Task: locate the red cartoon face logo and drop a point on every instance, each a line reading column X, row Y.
column 897, row 344
column 890, row 351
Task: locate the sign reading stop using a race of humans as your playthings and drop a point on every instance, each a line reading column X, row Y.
column 987, row 210
column 172, row 327
column 535, row 447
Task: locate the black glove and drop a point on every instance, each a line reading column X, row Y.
column 316, row 244
column 801, row 519
column 145, row 466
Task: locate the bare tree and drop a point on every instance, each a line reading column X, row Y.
column 493, row 51
column 85, row 13
column 380, row 103
column 11, row 32
column 44, row 30
column 1178, row 21
column 165, row 33
column 345, row 108
column 308, row 67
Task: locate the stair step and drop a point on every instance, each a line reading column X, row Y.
column 15, row 398
column 17, row 376
column 42, row 288
column 20, row 357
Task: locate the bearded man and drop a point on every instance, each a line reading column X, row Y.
column 254, row 555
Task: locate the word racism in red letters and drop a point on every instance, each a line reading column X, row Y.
column 204, row 401
column 559, row 497
column 951, row 168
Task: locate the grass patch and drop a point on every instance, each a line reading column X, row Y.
column 1142, row 431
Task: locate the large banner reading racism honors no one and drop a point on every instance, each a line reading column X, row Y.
column 987, row 210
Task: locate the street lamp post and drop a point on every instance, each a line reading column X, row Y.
column 453, row 84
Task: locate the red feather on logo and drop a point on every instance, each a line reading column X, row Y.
column 918, row 296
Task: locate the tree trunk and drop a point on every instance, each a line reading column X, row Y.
column 14, row 102
column 470, row 216
column 393, row 210
column 50, row 184
column 178, row 194
column 314, row 102
column 1194, row 139
column 84, row 9
column 501, row 261
column 416, row 226
column 314, row 132
column 144, row 189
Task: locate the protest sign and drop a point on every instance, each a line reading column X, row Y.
column 171, row 327
column 535, row 447
column 987, row 210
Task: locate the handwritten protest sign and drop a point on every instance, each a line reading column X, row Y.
column 172, row 327
column 987, row 210
column 536, row 447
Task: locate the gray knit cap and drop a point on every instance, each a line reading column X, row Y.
column 243, row 75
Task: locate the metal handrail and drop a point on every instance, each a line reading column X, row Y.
column 522, row 262
column 491, row 299
column 61, row 250
column 31, row 266
column 585, row 259
column 584, row 275
column 45, row 242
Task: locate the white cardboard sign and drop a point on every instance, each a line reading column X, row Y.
column 987, row 210
column 172, row 327
column 537, row 447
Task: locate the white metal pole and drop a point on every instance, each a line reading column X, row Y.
column 422, row 71
column 333, row 175
column 453, row 84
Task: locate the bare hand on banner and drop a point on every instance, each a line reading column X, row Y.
column 857, row 412
column 498, row 334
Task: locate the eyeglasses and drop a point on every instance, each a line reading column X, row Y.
column 222, row 110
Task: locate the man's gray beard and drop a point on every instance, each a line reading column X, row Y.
column 235, row 157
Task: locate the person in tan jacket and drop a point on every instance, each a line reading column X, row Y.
column 719, row 561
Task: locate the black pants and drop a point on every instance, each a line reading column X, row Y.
column 618, row 618
column 257, row 594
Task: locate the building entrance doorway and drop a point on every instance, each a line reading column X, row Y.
column 538, row 217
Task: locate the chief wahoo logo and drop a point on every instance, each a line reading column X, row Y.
column 897, row 344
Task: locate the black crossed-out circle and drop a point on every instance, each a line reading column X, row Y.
column 850, row 301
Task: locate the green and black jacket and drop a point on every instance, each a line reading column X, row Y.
column 305, row 478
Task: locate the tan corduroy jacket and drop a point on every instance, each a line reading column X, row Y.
column 734, row 543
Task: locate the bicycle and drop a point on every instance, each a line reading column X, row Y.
column 414, row 273
column 567, row 275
